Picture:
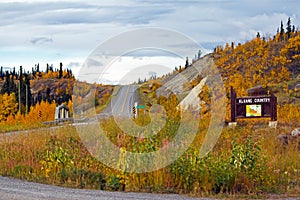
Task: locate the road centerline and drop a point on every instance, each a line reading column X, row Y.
column 125, row 99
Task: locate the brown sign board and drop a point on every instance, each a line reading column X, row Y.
column 263, row 106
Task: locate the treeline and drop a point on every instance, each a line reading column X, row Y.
column 18, row 88
column 36, row 73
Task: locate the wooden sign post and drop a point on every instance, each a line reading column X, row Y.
column 262, row 106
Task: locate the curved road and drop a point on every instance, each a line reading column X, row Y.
column 122, row 103
column 13, row 189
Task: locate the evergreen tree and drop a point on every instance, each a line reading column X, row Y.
column 258, row 35
column 281, row 31
column 14, row 71
column 12, row 86
column 33, row 72
column 289, row 28
column 1, row 73
column 39, row 97
column 293, row 29
column 47, row 68
column 199, row 54
column 51, row 68
column 5, row 86
column 9, row 85
column 60, row 71
column 187, row 62
column 48, row 97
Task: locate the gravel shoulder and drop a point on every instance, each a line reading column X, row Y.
column 14, row 189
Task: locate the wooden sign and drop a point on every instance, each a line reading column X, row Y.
column 264, row 106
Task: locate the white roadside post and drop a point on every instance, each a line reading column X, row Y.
column 135, row 115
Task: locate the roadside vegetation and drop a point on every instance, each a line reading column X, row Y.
column 246, row 160
column 249, row 159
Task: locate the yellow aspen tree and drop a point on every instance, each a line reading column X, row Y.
column 9, row 105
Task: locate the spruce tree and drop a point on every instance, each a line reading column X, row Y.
column 281, row 31
column 289, row 28
column 5, row 86
column 12, row 86
column 1, row 73
column 47, row 68
column 187, row 62
column 9, row 85
column 199, row 54
column 60, row 71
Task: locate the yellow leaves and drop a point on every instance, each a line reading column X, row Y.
column 290, row 53
column 70, row 106
column 9, row 106
column 41, row 112
column 257, row 62
column 289, row 113
column 293, row 44
column 296, row 57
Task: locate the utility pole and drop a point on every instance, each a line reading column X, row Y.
column 19, row 88
column 19, row 93
column 26, row 111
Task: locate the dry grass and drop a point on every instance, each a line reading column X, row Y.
column 246, row 160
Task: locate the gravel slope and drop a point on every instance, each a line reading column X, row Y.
column 176, row 82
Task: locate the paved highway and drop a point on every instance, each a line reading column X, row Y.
column 122, row 103
column 13, row 189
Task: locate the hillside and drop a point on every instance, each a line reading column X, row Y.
column 271, row 63
column 261, row 61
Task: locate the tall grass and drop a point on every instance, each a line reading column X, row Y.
column 247, row 159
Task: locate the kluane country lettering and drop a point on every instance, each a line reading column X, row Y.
column 245, row 100
column 254, row 100
column 262, row 100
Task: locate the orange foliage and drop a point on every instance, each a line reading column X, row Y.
column 8, row 106
column 257, row 62
column 41, row 112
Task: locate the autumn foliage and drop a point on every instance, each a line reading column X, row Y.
column 260, row 61
column 8, row 106
column 41, row 112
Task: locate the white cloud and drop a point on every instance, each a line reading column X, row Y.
column 128, row 69
column 44, row 31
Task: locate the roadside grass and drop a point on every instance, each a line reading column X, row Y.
column 247, row 159
column 4, row 128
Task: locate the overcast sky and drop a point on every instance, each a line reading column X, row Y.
column 41, row 31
